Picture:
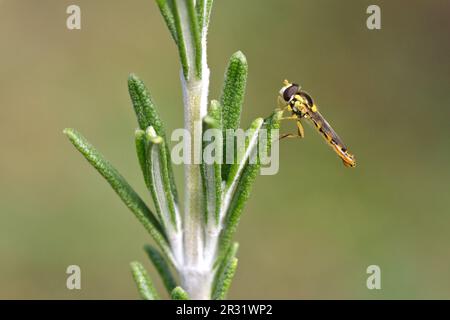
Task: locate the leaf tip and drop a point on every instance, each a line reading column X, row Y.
column 132, row 77
column 68, row 131
column 240, row 56
column 152, row 135
column 71, row 133
column 133, row 80
column 178, row 293
column 139, row 133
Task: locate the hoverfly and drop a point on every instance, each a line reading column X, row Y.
column 302, row 106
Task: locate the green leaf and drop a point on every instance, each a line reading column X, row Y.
column 200, row 8
column 162, row 267
column 251, row 142
column 179, row 294
column 144, row 106
column 143, row 282
column 196, row 36
column 272, row 123
column 209, row 4
column 211, row 173
column 181, row 39
column 121, row 187
column 233, row 91
column 203, row 8
column 153, row 160
column 215, row 112
column 241, row 195
column 141, row 151
column 238, row 186
column 166, row 7
column 147, row 116
column 242, row 191
column 225, row 273
column 232, row 98
column 159, row 180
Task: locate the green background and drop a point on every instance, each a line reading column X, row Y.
column 308, row 232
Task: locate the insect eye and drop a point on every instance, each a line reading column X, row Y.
column 289, row 92
column 307, row 97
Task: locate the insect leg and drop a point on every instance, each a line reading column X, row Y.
column 290, row 135
column 289, row 118
column 292, row 117
column 301, row 131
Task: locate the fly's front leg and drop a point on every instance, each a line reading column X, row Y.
column 300, row 130
column 289, row 135
column 300, row 133
column 294, row 117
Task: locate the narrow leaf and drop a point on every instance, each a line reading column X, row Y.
column 238, row 186
column 272, row 123
column 209, row 4
column 166, row 12
column 121, row 187
column 233, row 214
column 211, row 172
column 196, row 36
column 179, row 294
column 141, row 151
column 144, row 106
column 242, row 191
column 225, row 273
column 162, row 267
column 227, row 279
column 250, row 147
column 222, row 261
column 232, row 98
column 203, row 8
column 159, row 181
column 200, row 7
column 147, row 116
column 233, row 90
column 181, row 39
column 143, row 282
column 215, row 112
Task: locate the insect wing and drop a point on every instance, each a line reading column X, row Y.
column 331, row 137
column 325, row 129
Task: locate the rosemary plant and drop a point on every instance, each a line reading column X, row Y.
column 193, row 242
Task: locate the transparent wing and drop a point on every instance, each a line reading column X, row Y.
column 325, row 129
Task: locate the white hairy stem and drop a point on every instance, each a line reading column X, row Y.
column 196, row 277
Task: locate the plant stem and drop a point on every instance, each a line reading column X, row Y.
column 194, row 90
column 197, row 282
column 196, row 278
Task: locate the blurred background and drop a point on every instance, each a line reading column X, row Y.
column 308, row 232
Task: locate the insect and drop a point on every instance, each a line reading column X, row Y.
column 302, row 106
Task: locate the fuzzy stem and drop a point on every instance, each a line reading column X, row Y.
column 195, row 278
column 194, row 92
column 197, row 282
